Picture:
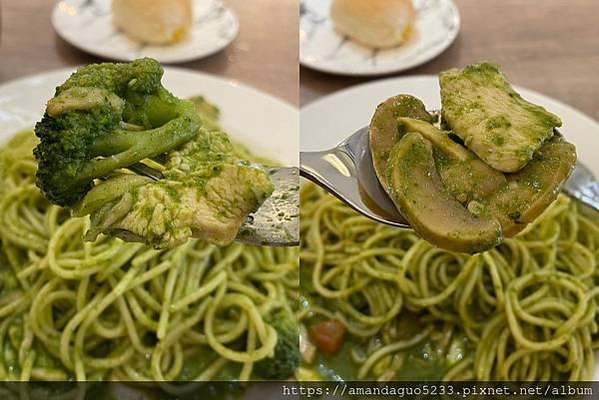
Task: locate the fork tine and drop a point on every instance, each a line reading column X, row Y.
column 276, row 223
column 583, row 186
column 143, row 169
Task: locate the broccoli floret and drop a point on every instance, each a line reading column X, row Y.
column 286, row 358
column 105, row 117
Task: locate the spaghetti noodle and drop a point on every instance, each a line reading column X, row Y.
column 117, row 310
column 527, row 309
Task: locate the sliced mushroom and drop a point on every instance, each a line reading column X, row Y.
column 417, row 190
column 385, row 130
column 465, row 175
column 530, row 191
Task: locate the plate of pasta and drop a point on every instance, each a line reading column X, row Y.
column 395, row 307
column 115, row 310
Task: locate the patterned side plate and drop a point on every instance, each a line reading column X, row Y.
column 87, row 24
column 324, row 49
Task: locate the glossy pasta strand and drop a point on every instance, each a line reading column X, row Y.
column 116, row 310
column 527, row 307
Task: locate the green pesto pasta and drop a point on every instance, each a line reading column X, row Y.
column 70, row 309
column 526, row 309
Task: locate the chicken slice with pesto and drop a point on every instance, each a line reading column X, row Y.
column 206, row 193
column 492, row 119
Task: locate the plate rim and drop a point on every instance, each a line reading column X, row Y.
column 168, row 68
column 112, row 56
column 391, row 70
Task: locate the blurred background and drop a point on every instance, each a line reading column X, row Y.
column 551, row 46
column 264, row 54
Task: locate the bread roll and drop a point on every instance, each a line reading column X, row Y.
column 153, row 21
column 374, row 23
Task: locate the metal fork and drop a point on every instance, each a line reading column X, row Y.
column 276, row 222
column 347, row 172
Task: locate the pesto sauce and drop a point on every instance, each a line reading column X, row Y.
column 424, row 361
column 194, row 366
column 421, row 363
column 498, row 122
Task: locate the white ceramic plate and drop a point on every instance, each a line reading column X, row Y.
column 265, row 124
column 326, row 122
column 324, row 49
column 87, row 25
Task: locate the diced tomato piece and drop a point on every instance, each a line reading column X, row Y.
column 328, row 336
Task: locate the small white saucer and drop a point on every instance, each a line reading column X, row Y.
column 87, row 25
column 324, row 49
